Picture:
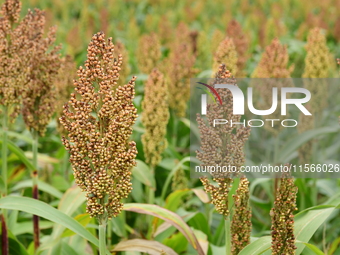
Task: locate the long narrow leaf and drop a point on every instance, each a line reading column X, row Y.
column 48, row 212
column 169, row 217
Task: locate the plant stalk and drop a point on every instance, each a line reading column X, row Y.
column 102, row 238
column 109, row 233
column 5, row 247
column 35, row 191
column 4, row 149
column 227, row 235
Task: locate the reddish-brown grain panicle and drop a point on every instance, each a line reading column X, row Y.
column 99, row 119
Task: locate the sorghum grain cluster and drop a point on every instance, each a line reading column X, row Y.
column 221, row 145
column 99, row 119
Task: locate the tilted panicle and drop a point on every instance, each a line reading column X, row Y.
column 155, row 117
column 99, row 119
column 221, row 145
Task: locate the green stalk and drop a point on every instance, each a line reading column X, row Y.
column 109, row 232
column 175, row 130
column 5, row 247
column 150, row 190
column 102, row 238
column 151, row 198
column 227, row 234
column 4, row 149
column 35, row 149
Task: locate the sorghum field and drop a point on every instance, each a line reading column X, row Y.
column 96, row 133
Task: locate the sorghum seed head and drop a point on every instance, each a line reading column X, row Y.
column 99, row 119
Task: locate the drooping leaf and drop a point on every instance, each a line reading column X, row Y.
column 167, row 216
column 43, row 186
column 147, row 246
column 48, row 212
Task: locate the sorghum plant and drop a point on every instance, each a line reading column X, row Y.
column 273, row 64
column 179, row 180
column 241, row 42
column 204, row 58
column 12, row 66
column 272, row 28
column 216, row 38
column 12, row 80
column 179, row 70
column 318, row 64
column 39, row 94
column 125, row 68
column 222, row 146
column 283, row 239
column 226, row 53
column 241, row 223
column 155, row 117
column 99, row 119
column 64, row 87
column 38, row 98
column 149, row 52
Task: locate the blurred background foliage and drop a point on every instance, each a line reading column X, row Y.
column 126, row 21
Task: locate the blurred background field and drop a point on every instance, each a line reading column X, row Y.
column 203, row 25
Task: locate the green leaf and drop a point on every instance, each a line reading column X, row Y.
column 83, row 219
column 308, row 221
column 118, row 226
column 43, row 186
column 257, row 247
column 26, row 227
column 19, row 136
column 200, row 222
column 296, row 141
column 46, row 211
column 20, row 154
column 69, row 203
column 177, row 242
column 171, row 174
column 15, row 247
column 142, row 172
column 174, row 200
column 141, row 245
column 169, row 217
column 335, row 244
column 67, row 249
column 2, row 186
column 312, row 247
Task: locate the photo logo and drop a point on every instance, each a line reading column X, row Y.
column 239, row 99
